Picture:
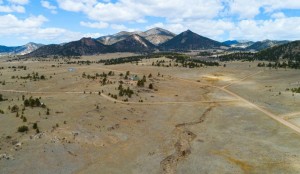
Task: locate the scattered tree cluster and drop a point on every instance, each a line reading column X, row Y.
column 205, row 53
column 141, row 83
column 188, row 62
column 134, row 59
column 276, row 65
column 33, row 103
column 245, row 56
column 104, row 77
column 18, row 67
column 33, row 76
column 125, row 92
column 296, row 90
column 14, row 109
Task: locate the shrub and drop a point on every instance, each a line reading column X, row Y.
column 1, row 97
column 35, row 126
column 22, row 129
column 150, row 86
column 15, row 108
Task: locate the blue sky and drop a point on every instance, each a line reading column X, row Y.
column 57, row 21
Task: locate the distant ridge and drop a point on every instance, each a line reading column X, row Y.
column 289, row 51
column 19, row 50
column 84, row 46
column 230, row 42
column 261, row 45
column 189, row 40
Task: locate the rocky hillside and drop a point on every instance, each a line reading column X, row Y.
column 111, row 39
column 157, row 35
column 19, row 50
column 133, row 43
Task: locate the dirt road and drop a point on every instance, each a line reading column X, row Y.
column 238, row 97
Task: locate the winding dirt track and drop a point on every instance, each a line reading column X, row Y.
column 266, row 112
column 223, row 88
column 120, row 101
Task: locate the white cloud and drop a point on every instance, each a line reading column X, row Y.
column 174, row 10
column 202, row 27
column 246, row 9
column 12, row 23
column 47, row 5
column 21, row 2
column 76, row 5
column 118, row 27
column 92, row 35
column 278, row 15
column 99, row 25
column 60, row 35
column 132, row 10
column 159, row 24
column 272, row 5
column 277, row 29
column 12, row 8
column 31, row 29
column 211, row 18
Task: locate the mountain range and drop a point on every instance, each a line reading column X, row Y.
column 156, row 39
column 261, row 45
column 255, row 46
column 141, row 42
column 19, row 50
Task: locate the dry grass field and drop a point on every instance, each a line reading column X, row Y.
column 234, row 119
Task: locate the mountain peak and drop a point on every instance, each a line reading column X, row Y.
column 85, row 38
column 88, row 41
column 188, row 31
column 189, row 40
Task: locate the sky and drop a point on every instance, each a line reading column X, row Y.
column 59, row 21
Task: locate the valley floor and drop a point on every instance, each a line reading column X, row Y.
column 234, row 119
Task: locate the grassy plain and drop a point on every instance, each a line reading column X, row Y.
column 234, row 119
